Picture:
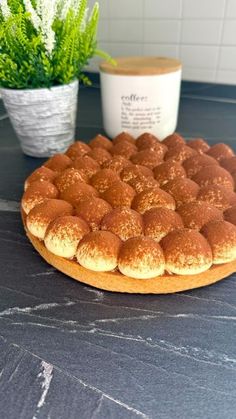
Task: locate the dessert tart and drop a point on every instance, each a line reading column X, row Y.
column 136, row 215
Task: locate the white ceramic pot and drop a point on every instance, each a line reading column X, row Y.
column 140, row 94
column 44, row 119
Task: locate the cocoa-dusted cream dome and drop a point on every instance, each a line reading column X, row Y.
column 196, row 214
column 58, row 162
column 124, row 222
column 152, row 198
column 168, row 170
column 183, row 190
column 142, row 183
column 117, row 164
column 220, row 151
column 180, row 153
column 141, row 257
column 221, row 235
column 120, row 194
column 42, row 173
column 174, row 140
column 123, row 148
column 78, row 192
column 229, row 164
column 158, row 222
column 146, row 140
column 101, row 141
column 64, row 234
column 134, row 171
column 99, row 154
column 123, row 137
column 186, row 252
column 230, row 215
column 93, row 210
column 40, row 216
column 87, row 165
column 195, row 163
column 77, row 149
column 218, row 195
column 99, row 251
column 148, row 157
column 69, row 177
column 103, row 179
column 38, row 192
column 199, row 145
column 213, row 175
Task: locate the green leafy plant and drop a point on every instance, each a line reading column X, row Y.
column 45, row 43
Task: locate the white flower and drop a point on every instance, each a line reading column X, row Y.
column 35, row 19
column 48, row 13
column 6, row 12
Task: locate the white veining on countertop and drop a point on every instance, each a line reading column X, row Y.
column 99, row 295
column 47, row 306
column 47, row 375
column 12, row 206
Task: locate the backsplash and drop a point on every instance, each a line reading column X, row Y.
column 201, row 33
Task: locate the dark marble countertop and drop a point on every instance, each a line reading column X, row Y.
column 74, row 352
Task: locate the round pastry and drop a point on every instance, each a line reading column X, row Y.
column 229, row 164
column 40, row 216
column 77, row 149
column 199, row 145
column 218, row 195
column 180, row 153
column 123, row 137
column 103, row 179
column 64, row 234
column 99, row 154
column 87, row 165
column 222, row 238
column 174, row 140
column 100, row 141
column 183, row 190
column 120, row 194
column 158, row 222
column 220, row 151
column 213, row 175
column 117, row 164
column 146, row 140
column 148, row 157
column 186, row 252
column 141, row 183
column 168, row 170
column 42, row 173
column 129, row 202
column 78, row 192
column 196, row 214
column 141, row 257
column 99, row 251
column 93, row 210
column 123, row 148
column 152, row 198
column 195, row 163
column 124, row 222
column 134, row 171
column 58, row 162
column 230, row 215
column 36, row 193
column 69, row 177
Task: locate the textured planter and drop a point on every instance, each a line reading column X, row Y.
column 44, row 119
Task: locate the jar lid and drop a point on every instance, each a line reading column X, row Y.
column 138, row 66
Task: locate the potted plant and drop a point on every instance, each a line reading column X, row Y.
column 44, row 46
